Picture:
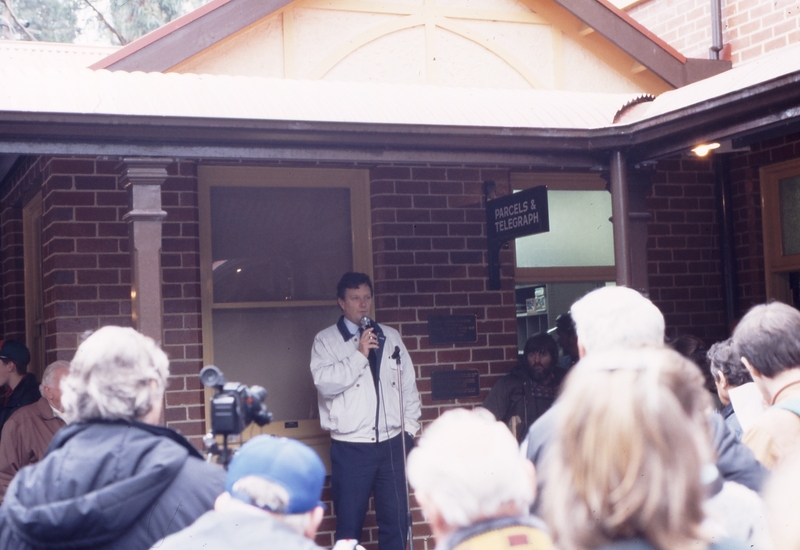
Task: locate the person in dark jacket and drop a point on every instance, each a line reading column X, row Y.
column 729, row 372
column 524, row 394
column 21, row 387
column 112, row 478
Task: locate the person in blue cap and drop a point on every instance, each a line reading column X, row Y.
column 272, row 500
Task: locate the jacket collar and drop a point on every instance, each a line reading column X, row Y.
column 343, row 329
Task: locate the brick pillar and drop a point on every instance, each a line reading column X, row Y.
column 142, row 178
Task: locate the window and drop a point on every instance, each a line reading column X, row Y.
column 554, row 269
column 780, row 214
column 274, row 243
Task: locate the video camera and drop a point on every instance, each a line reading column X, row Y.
column 233, row 407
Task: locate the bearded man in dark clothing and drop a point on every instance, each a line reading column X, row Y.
column 524, row 394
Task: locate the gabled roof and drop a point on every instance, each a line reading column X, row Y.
column 24, row 53
column 274, row 99
column 186, row 115
column 187, row 36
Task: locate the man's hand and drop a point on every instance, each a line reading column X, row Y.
column 367, row 342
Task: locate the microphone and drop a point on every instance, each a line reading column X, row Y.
column 396, row 354
column 366, row 323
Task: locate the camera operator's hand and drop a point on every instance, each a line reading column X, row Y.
column 367, row 342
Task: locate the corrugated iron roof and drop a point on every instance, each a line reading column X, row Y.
column 761, row 71
column 234, row 97
column 21, row 53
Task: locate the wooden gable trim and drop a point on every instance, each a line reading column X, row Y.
column 186, row 36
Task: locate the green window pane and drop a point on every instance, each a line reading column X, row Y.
column 790, row 215
column 580, row 232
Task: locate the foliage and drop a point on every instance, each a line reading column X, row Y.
column 64, row 20
column 134, row 18
column 48, row 20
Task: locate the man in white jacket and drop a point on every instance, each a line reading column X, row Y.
column 355, row 368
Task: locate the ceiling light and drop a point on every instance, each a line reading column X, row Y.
column 703, row 149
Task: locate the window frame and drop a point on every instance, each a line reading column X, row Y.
column 776, row 263
column 565, row 274
column 356, row 181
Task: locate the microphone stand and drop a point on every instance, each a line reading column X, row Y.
column 396, row 357
column 366, row 322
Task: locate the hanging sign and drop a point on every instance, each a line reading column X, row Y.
column 518, row 215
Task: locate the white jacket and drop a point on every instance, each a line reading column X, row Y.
column 346, row 389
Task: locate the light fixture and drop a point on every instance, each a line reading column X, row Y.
column 703, row 149
column 238, row 270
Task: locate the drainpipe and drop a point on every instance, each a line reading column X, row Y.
column 722, row 183
column 716, row 29
column 619, row 213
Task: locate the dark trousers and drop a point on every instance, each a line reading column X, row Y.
column 360, row 468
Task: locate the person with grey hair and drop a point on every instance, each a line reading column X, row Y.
column 768, row 341
column 111, row 478
column 616, row 317
column 271, row 501
column 473, row 486
column 28, row 431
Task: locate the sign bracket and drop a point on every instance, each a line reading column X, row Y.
column 509, row 217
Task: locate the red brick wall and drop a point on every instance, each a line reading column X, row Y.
column 86, row 267
column 683, row 256
column 751, row 27
column 85, row 260
column 183, row 331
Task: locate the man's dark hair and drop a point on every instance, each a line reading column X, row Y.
column 352, row 279
column 769, row 337
column 722, row 357
column 541, row 342
column 565, row 324
column 692, row 348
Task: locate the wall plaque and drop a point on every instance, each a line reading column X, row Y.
column 454, row 384
column 452, row 329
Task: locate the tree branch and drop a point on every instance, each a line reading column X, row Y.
column 108, row 25
column 16, row 21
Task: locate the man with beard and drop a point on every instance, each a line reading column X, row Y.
column 529, row 389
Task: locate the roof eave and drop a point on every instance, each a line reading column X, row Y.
column 653, row 53
column 767, row 105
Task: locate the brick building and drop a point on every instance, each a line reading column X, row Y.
column 275, row 145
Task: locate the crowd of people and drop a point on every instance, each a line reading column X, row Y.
column 618, row 445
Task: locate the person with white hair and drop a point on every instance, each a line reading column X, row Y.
column 272, row 500
column 616, row 317
column 113, row 477
column 473, row 486
column 28, row 431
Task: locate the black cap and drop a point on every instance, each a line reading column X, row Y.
column 16, row 351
